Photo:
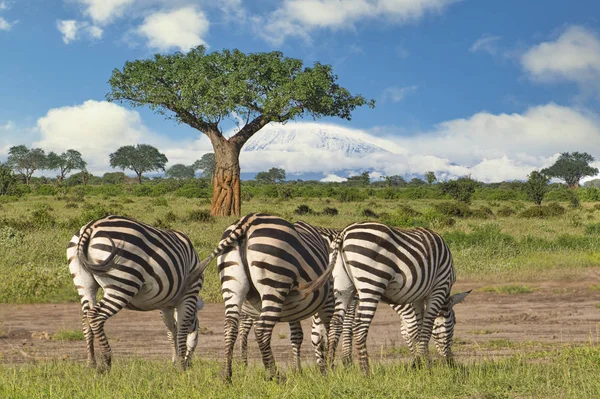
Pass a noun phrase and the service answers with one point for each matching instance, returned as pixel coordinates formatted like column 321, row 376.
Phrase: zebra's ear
column 458, row 298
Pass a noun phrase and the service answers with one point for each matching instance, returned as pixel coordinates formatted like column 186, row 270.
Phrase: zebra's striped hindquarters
column 280, row 271
column 139, row 267
column 411, row 266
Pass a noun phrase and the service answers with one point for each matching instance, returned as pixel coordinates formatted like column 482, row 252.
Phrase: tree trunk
column 226, row 180
column 139, row 175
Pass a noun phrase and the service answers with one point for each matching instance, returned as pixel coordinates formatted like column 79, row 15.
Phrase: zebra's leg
column 342, row 300
column 168, row 317
column 246, row 323
column 111, row 303
column 411, row 316
column 87, row 288
column 318, row 339
column 186, row 314
column 263, row 329
column 433, row 305
column 367, row 305
column 296, row 337
column 191, row 341
column 348, row 327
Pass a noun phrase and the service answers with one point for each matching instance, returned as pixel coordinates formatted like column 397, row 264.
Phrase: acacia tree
column 536, row 186
column 206, row 164
column 141, row 158
column 203, row 89
column 180, row 171
column 430, row 177
column 571, row 167
column 272, row 176
column 65, row 163
column 26, row 161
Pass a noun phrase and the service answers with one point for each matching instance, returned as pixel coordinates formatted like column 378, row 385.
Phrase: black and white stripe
column 138, row 267
column 410, row 268
column 272, row 271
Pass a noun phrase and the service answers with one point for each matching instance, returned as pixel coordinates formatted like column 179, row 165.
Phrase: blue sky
column 491, row 88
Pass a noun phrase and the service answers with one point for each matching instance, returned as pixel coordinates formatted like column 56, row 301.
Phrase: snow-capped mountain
column 308, row 138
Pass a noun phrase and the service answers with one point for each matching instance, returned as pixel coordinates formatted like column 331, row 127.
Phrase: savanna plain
column 529, row 329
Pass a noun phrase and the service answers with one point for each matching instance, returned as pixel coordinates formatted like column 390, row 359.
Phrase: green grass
column 68, row 335
column 34, row 232
column 572, row 373
column 508, row 289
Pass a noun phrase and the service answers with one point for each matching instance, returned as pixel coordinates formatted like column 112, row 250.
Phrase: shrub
column 171, row 217
column 483, row 213
column 536, row 186
column 330, row 211
column 45, row 189
column 574, row 200
column 41, row 217
column 505, row 211
column 71, row 205
column 455, row 209
column 303, row 210
column 200, row 215
column 408, row 210
column 351, row 195
column 551, row 210
column 461, row 189
column 162, row 224
column 435, row 219
column 397, row 220
column 160, row 201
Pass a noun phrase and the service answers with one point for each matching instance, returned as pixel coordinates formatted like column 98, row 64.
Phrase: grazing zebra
column 138, row 267
column 408, row 267
column 272, row 272
column 318, row 337
column 442, row 333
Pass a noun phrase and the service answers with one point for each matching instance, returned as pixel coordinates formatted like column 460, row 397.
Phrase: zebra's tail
column 82, row 250
column 238, row 231
column 308, row 288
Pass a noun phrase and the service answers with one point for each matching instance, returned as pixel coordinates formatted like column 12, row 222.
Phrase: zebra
column 272, row 271
column 408, row 268
column 138, row 267
column 318, row 331
column 442, row 332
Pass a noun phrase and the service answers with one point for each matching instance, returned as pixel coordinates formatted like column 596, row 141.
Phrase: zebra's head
column 443, row 327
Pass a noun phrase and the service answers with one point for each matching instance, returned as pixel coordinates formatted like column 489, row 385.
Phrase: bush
column 46, row 189
column 454, row 209
column 71, row 205
column 574, row 200
column 505, row 211
column 41, row 217
column 351, row 195
column 303, row 210
column 483, row 213
column 171, row 217
column 160, row 201
column 436, row 219
column 544, row 211
column 408, row 210
column 397, row 220
column 200, row 215
column 461, row 189
column 330, row 211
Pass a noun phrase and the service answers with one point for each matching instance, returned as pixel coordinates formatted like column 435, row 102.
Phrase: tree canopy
column 272, row 176
column 430, row 177
column 202, row 89
column 206, row 164
column 26, row 161
column 572, row 167
column 180, row 171
column 140, row 158
column 65, row 163
column 536, row 186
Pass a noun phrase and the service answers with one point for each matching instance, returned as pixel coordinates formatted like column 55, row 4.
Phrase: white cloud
column 72, row 30
column 300, row 17
column 397, row 94
column 105, row 11
column 487, row 43
column 490, row 147
column 573, row 56
column 182, row 29
column 5, row 25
